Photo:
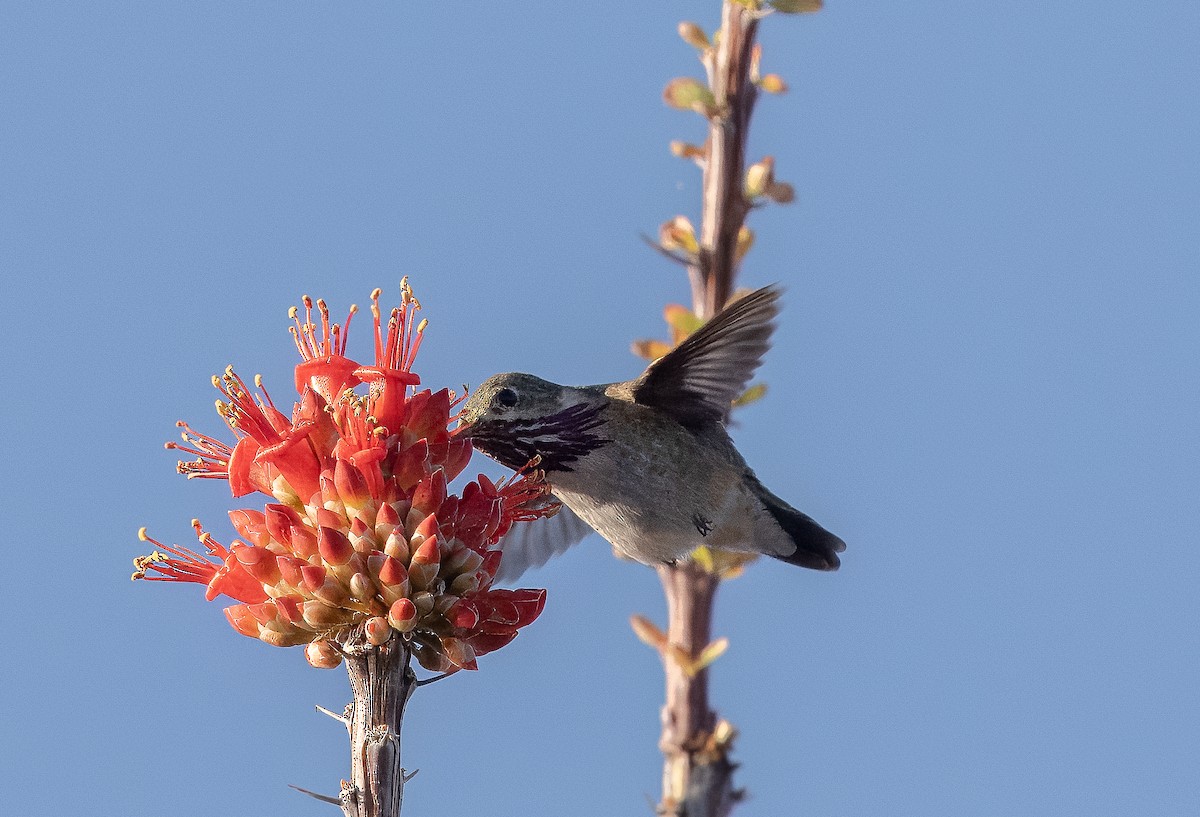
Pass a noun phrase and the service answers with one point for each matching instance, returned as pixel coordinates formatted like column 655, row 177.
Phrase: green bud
column 796, row 6
column 693, row 35
column 773, row 84
column 685, row 150
column 689, row 94
column 759, row 177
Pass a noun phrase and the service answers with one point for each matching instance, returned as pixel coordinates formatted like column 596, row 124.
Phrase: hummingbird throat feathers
column 560, row 439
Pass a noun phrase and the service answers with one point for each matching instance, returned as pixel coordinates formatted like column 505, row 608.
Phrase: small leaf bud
column 693, row 35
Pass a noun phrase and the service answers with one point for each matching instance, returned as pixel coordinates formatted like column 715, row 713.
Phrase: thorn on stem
column 339, row 718
column 324, row 798
column 431, row 679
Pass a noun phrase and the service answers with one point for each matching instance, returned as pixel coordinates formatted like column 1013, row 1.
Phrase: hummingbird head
column 515, row 417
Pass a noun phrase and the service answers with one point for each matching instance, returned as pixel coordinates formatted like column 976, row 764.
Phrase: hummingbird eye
column 505, row 398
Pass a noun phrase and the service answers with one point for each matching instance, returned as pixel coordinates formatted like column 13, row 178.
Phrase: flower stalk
column 382, row 681
column 696, row 744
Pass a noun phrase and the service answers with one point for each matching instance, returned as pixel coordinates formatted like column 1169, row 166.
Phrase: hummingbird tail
column 815, row 547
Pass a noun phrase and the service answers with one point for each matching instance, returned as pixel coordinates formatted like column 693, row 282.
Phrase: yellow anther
column 258, row 381
column 353, row 308
column 375, row 293
column 421, row 326
column 142, row 534
column 293, row 312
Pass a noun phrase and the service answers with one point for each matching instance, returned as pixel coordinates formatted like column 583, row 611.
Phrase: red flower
column 361, row 530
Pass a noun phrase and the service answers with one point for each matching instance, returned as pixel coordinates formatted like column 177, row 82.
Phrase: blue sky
column 984, row 381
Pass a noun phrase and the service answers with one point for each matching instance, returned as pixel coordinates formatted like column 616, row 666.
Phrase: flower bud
column 241, row 620
column 393, row 578
column 430, row 493
column 396, row 546
column 462, row 560
column 334, row 546
column 362, row 536
column 403, row 615
column 386, row 521
column 426, row 561
column 377, row 630
column 258, row 562
column 319, row 615
column 464, row 584
column 350, row 484
column 361, row 586
column 323, row 655
column 424, row 601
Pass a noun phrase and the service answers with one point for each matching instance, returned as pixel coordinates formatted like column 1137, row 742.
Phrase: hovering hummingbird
column 648, row 463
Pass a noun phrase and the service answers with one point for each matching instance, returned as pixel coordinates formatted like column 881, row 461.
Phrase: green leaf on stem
column 689, row 94
column 796, row 6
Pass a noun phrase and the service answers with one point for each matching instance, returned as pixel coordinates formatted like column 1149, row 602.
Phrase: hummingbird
column 648, row 463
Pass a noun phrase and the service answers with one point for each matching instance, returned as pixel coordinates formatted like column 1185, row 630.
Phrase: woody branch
column 695, row 742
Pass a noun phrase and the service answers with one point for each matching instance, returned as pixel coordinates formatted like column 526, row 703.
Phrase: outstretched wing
column 696, row 381
column 532, row 544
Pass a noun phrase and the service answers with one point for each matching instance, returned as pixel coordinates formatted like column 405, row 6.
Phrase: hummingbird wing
column 532, row 544
column 696, row 381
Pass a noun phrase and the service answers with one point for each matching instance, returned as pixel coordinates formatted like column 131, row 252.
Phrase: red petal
column 427, row 553
column 488, row 642
column 232, row 580
column 430, row 492
column 334, row 546
column 251, row 525
column 241, row 463
column 327, row 376
column 391, row 572
column 241, row 620
column 258, row 562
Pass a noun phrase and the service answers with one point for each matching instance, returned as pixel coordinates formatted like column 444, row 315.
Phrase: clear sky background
column 985, row 380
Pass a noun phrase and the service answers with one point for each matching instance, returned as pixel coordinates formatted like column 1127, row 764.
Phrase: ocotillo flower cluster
column 362, row 532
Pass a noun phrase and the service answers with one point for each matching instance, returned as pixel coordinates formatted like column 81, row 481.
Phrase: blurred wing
column 532, row 544
column 697, row 381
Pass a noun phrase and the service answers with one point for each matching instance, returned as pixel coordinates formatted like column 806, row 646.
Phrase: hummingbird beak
column 468, row 424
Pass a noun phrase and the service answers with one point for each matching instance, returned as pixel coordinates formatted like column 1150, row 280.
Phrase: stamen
column 341, row 350
column 324, row 344
column 375, row 293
